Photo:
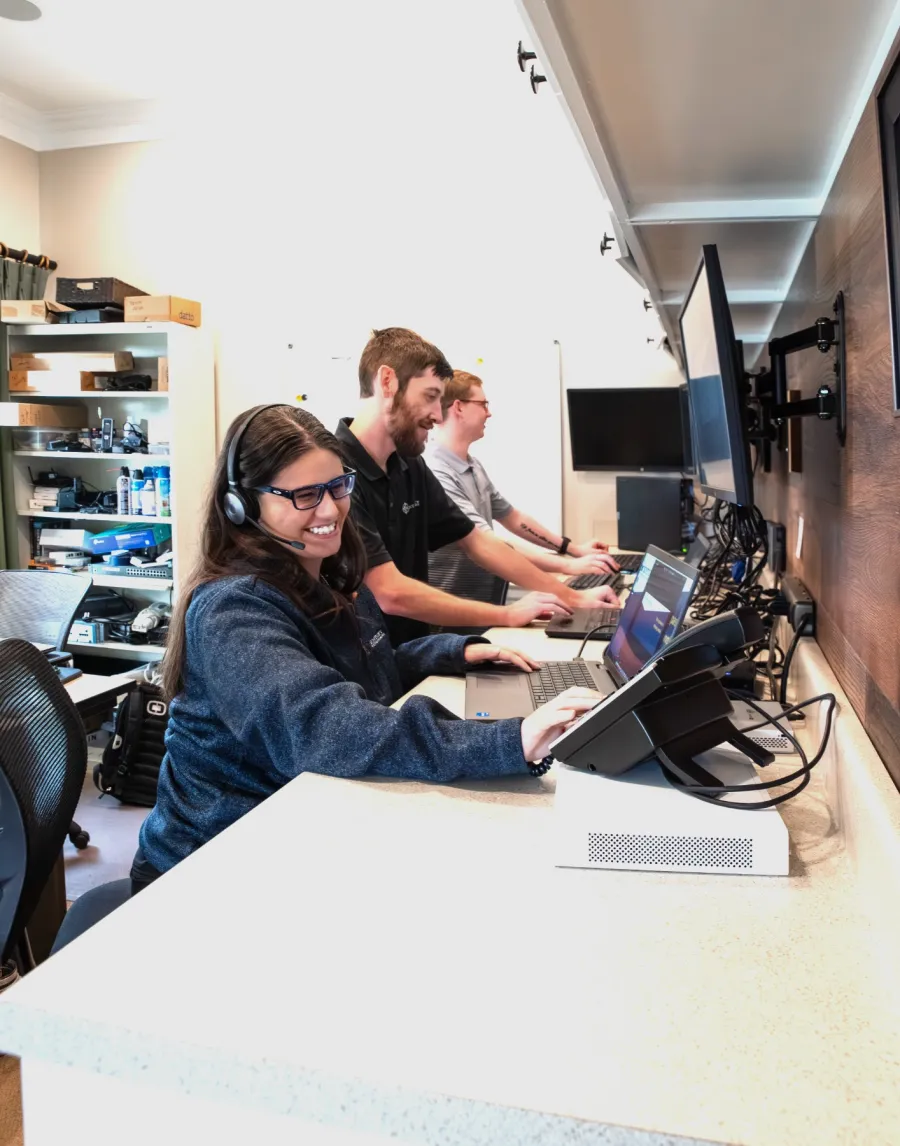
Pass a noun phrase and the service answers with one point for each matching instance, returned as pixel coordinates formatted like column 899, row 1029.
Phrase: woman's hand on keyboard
column 479, row 654
column 552, row 719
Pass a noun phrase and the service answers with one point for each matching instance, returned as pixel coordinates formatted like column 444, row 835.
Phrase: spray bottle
column 123, row 492
column 137, row 482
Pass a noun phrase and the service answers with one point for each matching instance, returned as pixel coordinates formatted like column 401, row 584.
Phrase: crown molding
column 131, row 121
column 21, row 123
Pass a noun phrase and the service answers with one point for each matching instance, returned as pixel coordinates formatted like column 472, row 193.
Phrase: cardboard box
column 163, row 375
column 51, row 381
column 96, row 361
column 44, row 414
column 31, row 310
column 162, row 308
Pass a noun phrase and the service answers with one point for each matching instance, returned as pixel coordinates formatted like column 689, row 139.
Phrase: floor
column 113, row 828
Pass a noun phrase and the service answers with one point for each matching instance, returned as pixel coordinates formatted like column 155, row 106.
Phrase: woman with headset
column 278, row 660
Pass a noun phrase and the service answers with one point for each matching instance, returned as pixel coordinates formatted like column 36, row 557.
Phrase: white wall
column 377, row 164
column 19, row 197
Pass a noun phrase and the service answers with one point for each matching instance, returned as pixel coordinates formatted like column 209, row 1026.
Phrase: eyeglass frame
column 476, row 401
column 320, row 486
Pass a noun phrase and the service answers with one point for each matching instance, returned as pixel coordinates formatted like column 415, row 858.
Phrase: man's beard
column 403, row 427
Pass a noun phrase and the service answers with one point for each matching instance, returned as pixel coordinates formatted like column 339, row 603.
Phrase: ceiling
column 714, row 121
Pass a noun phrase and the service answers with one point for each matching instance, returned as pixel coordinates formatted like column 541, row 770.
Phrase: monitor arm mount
column 830, row 402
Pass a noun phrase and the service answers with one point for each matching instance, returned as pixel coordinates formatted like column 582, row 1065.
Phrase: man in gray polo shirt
column 466, row 482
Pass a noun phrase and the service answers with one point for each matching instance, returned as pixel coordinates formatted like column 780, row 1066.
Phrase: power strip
column 801, row 608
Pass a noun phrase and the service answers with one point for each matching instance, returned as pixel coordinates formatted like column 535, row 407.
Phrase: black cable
column 595, row 629
column 803, row 773
column 789, row 656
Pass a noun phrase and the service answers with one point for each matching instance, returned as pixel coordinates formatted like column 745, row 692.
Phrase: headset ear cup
column 235, row 508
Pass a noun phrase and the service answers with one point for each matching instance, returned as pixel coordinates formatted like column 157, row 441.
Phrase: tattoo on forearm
column 539, row 536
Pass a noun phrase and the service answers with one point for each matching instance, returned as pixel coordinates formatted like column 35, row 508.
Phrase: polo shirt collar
column 451, row 459
column 362, row 459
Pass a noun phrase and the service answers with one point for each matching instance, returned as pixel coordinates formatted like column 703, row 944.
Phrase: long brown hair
column 275, row 438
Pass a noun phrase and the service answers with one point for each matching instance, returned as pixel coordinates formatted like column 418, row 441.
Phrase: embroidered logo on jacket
column 375, row 640
column 408, row 505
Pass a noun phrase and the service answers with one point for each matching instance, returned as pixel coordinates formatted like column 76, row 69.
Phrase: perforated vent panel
column 719, row 852
column 772, row 741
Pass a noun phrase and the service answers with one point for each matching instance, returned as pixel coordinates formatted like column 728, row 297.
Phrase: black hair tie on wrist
column 541, row 769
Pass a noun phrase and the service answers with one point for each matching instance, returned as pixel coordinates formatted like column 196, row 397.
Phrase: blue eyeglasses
column 309, row 496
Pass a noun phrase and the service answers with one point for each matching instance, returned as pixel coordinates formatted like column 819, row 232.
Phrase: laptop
column 651, row 617
column 602, row 620
column 630, row 563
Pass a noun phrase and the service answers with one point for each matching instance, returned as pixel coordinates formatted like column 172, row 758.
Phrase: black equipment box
column 84, row 294
column 104, row 314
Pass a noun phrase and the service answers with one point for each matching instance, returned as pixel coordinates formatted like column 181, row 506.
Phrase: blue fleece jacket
column 271, row 692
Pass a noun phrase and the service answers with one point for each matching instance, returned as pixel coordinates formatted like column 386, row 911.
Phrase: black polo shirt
column 402, row 515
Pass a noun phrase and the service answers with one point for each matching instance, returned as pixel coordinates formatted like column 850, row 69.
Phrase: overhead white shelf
column 85, row 395
column 64, row 329
column 118, row 649
column 90, row 456
column 74, row 515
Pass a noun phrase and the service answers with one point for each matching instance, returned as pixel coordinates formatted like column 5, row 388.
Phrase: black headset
column 235, row 504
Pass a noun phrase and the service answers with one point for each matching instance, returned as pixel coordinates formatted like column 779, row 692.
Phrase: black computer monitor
column 636, row 429
column 687, row 444
column 721, row 447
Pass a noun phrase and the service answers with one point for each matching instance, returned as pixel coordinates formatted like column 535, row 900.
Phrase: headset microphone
column 274, row 536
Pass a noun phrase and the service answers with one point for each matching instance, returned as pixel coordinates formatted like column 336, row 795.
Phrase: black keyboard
column 629, row 562
column 591, row 580
column 555, row 677
column 606, row 617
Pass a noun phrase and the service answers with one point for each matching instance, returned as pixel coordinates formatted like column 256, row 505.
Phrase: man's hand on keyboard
column 600, row 595
column 592, row 562
column 479, row 654
column 579, row 548
column 542, row 727
column 538, row 606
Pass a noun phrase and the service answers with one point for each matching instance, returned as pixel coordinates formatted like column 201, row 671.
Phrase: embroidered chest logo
column 408, row 505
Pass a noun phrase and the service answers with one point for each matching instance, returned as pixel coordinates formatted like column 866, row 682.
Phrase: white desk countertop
column 385, row 958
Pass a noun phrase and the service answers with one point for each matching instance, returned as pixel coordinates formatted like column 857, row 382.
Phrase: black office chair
column 43, row 759
column 38, row 605
column 90, row 908
column 451, row 567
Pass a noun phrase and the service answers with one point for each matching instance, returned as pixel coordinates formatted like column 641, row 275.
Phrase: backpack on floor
column 129, row 769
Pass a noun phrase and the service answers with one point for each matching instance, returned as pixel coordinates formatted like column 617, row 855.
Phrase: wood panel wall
column 849, row 498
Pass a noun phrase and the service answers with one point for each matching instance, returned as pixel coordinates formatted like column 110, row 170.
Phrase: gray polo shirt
column 467, row 484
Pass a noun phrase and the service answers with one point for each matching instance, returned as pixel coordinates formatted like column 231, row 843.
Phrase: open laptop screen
column 652, row 614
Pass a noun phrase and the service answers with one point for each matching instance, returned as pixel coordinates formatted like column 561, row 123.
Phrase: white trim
column 727, row 210
column 130, row 121
column 20, row 123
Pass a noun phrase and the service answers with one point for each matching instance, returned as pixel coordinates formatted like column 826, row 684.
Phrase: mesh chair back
column 453, row 571
column 43, row 758
column 37, row 605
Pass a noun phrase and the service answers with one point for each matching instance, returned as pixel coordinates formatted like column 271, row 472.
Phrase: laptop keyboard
column 555, row 677
column 591, row 580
